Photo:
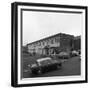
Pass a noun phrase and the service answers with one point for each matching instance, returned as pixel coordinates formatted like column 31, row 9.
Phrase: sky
column 38, row 25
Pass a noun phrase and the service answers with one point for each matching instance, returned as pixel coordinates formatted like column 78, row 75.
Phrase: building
column 24, row 49
column 77, row 43
column 52, row 45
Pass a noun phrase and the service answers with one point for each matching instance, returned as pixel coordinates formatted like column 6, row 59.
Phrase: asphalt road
column 70, row 67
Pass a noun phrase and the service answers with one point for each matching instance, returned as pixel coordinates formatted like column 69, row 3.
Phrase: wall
column 77, row 43
column 40, row 45
column 5, row 47
column 62, row 40
column 65, row 42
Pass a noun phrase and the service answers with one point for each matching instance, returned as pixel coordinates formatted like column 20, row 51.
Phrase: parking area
column 71, row 66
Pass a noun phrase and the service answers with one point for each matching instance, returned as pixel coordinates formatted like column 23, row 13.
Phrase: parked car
column 44, row 65
column 63, row 55
column 74, row 53
column 79, row 52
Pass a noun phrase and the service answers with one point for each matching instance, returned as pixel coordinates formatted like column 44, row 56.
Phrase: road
column 70, row 67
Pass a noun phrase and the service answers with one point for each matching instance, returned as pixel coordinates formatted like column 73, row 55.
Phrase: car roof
column 43, row 59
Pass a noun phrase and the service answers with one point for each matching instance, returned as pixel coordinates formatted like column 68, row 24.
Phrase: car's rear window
column 45, row 62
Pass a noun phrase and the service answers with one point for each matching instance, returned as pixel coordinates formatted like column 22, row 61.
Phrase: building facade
column 52, row 45
column 77, row 43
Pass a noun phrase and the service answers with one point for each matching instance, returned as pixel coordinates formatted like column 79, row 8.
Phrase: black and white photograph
column 50, row 44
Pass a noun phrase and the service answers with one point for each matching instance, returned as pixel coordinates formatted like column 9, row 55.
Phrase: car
column 79, row 52
column 74, row 53
column 43, row 65
column 63, row 55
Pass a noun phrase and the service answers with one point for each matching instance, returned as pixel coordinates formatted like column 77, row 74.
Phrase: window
column 43, row 43
column 52, row 41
